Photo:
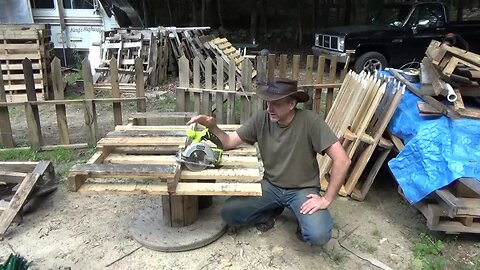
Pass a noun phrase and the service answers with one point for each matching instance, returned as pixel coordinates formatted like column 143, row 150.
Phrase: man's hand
column 314, row 203
column 204, row 120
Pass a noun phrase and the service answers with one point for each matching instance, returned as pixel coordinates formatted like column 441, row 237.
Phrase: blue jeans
column 315, row 228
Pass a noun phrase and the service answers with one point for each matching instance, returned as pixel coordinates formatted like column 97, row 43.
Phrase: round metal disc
column 196, row 161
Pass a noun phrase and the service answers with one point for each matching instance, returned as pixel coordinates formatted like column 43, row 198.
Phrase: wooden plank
column 186, row 189
column 472, row 183
column 308, row 81
column 227, row 161
column 17, row 201
column 141, row 141
column 12, row 67
column 5, row 126
column 295, row 66
column 206, row 96
column 271, row 67
column 136, row 171
column 183, row 70
column 231, row 96
column 140, row 83
column 58, row 94
column 331, row 79
column 196, row 84
column 18, row 166
column 282, row 73
column 20, row 77
column 317, row 97
column 243, row 174
column 11, row 177
column 90, row 113
column 117, row 107
column 228, row 128
column 219, row 95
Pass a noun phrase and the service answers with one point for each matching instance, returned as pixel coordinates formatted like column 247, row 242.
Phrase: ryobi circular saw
column 199, row 155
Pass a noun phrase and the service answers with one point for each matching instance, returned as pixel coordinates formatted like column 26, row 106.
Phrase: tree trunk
column 219, row 10
column 203, row 13
column 145, row 13
column 169, row 11
column 194, row 12
column 348, row 7
column 299, row 35
column 253, row 21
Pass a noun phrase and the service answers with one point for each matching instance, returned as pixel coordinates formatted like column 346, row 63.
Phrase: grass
column 63, row 158
column 73, row 77
column 377, row 233
column 166, row 104
column 361, row 244
column 428, row 254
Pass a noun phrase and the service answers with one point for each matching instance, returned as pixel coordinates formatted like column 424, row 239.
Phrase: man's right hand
column 204, row 120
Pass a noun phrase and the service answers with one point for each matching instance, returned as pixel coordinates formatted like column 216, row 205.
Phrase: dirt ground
column 71, row 231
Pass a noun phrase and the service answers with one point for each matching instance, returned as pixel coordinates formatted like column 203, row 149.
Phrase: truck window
column 78, row 4
column 428, row 16
column 391, row 15
column 42, row 4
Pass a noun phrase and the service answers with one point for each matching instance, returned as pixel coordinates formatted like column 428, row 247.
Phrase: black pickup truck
column 398, row 34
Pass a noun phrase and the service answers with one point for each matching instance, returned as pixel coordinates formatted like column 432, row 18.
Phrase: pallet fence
column 232, row 99
column 32, row 114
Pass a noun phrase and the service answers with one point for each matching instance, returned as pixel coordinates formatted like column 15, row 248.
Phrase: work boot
column 265, row 226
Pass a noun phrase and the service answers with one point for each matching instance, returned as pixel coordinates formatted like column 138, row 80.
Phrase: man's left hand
column 314, row 203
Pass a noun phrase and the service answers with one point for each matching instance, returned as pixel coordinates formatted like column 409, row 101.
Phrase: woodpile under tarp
column 125, row 44
column 20, row 41
column 449, row 82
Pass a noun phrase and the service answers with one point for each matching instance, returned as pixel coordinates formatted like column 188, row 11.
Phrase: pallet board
column 454, row 208
column 28, row 175
column 140, row 160
column 18, row 42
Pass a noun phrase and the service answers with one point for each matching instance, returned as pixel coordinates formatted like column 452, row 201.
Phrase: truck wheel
column 370, row 62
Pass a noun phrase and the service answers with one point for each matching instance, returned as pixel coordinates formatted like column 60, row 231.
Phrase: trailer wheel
column 370, row 62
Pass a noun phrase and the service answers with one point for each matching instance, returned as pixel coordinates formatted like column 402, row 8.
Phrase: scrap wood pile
column 18, row 42
column 193, row 43
column 126, row 44
column 21, row 184
column 361, row 117
column 452, row 75
column 454, row 208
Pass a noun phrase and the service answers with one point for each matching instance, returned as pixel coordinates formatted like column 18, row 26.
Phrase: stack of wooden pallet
column 125, row 45
column 18, row 42
column 192, row 43
column 140, row 159
column 25, row 179
column 222, row 47
column 360, row 114
column 455, row 74
column 453, row 209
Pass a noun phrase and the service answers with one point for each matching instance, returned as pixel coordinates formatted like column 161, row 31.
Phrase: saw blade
column 197, row 161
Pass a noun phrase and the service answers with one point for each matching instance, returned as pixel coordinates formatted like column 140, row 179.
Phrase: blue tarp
column 437, row 150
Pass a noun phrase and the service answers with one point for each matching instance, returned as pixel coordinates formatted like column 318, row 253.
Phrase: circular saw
column 199, row 155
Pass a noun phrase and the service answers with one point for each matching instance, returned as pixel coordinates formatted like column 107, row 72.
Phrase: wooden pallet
column 143, row 157
column 360, row 114
column 223, row 48
column 453, row 209
column 28, row 176
column 18, row 42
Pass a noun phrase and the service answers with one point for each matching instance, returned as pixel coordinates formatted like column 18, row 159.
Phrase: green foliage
column 57, row 155
column 428, row 254
column 363, row 245
column 77, row 59
column 166, row 104
column 73, row 77
column 377, row 233
column 73, row 95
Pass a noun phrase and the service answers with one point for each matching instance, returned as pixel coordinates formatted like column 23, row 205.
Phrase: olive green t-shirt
column 289, row 152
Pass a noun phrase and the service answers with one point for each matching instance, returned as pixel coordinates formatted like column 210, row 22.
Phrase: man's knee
column 318, row 237
column 228, row 212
